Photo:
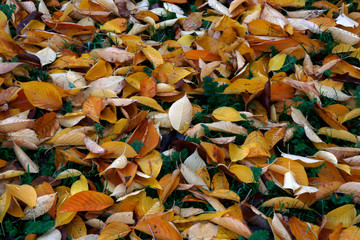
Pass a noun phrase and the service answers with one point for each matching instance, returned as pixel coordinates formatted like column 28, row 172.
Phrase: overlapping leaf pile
column 180, row 119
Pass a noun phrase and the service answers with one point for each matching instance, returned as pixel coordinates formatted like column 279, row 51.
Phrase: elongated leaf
column 86, row 201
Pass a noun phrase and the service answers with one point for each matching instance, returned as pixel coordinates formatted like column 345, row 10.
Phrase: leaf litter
column 180, row 119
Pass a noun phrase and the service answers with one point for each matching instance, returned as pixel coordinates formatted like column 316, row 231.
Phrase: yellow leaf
column 227, row 114
column 114, row 230
column 340, row 134
column 151, row 163
column 117, row 25
column 284, row 203
column 243, row 173
column 68, row 173
column 4, row 204
column 153, row 55
column 238, row 153
column 43, row 95
column 99, row 70
column 344, row 214
column 76, row 228
column 245, row 85
column 350, row 115
column 287, row 3
column 25, row 193
column 79, row 185
column 64, row 218
column 147, row 101
column 277, row 62
column 201, row 217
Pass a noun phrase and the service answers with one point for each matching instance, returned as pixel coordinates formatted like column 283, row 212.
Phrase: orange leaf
column 328, row 117
column 148, row 135
column 204, row 55
column 168, row 183
column 281, row 91
column 215, row 153
column 93, row 107
column 148, row 87
column 47, row 125
column 301, row 230
column 158, row 228
column 42, row 95
column 86, row 201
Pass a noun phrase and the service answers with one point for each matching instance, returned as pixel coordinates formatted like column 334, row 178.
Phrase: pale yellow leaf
column 46, row 56
column 180, row 114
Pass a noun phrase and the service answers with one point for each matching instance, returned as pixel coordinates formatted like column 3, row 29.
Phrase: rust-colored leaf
column 86, row 201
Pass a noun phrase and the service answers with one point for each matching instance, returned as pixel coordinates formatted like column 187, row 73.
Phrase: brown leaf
column 47, row 125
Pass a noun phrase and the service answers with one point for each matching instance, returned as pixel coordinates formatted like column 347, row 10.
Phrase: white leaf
column 345, row 21
column 279, row 228
column 226, row 126
column 332, row 93
column 303, row 159
column 109, row 5
column 173, row 8
column 192, row 177
column 344, row 36
column 305, row 14
column 306, row 189
column 53, row 234
column 123, row 217
column 142, row 6
column 219, row 7
column 308, row 65
column 272, row 15
column 240, row 60
column 119, row 163
column 180, row 114
column 119, row 190
column 350, row 187
column 328, row 156
column 353, row 161
column 194, row 161
column 26, row 162
column 43, row 205
column 298, row 117
column 302, row 24
column 234, row 4
column 93, row 146
column 46, row 56
column 311, row 135
column 290, row 181
column 89, row 237
column 42, row 8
